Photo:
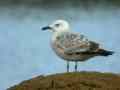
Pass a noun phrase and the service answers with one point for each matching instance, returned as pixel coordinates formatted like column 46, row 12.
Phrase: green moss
column 72, row 81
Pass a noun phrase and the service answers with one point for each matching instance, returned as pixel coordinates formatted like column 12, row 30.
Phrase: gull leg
column 76, row 63
column 67, row 66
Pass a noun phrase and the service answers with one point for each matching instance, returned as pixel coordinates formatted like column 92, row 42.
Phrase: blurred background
column 25, row 50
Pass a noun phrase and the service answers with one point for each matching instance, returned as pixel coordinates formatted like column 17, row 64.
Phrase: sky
column 25, row 50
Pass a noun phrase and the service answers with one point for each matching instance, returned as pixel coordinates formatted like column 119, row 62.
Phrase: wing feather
column 75, row 43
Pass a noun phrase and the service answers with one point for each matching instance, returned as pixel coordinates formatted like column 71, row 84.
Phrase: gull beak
column 46, row 28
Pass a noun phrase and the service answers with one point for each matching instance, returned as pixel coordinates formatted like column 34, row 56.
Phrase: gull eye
column 57, row 25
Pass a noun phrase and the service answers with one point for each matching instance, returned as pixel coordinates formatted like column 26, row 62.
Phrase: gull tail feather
column 103, row 52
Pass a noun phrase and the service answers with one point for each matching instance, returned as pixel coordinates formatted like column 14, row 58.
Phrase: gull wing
column 75, row 43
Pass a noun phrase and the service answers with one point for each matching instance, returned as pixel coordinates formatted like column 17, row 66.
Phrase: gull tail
column 103, row 52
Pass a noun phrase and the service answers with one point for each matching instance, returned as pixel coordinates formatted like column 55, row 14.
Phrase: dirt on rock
column 72, row 81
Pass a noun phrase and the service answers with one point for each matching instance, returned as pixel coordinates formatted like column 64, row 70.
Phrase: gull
column 73, row 46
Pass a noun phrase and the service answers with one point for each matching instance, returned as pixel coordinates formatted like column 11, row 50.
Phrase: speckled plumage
column 71, row 46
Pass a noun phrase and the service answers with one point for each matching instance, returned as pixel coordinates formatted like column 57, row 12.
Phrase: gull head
column 57, row 26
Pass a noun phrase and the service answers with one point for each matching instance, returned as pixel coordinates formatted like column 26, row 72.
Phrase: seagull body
column 72, row 46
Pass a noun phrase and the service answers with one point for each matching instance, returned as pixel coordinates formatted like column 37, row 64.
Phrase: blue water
column 25, row 50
